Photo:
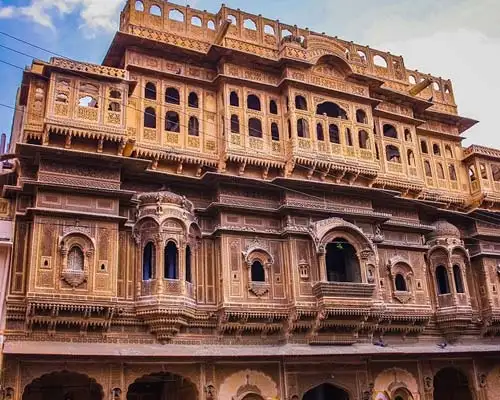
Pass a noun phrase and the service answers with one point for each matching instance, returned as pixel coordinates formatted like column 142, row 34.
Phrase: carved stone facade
column 231, row 208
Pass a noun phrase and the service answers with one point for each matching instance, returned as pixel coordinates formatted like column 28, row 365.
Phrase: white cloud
column 96, row 15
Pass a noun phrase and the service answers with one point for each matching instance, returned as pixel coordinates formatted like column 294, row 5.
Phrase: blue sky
column 457, row 39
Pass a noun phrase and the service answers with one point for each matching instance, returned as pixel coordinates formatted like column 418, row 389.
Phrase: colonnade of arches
column 449, row 383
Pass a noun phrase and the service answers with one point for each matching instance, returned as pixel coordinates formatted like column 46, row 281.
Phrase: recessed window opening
column 361, row 117
column 235, row 124
column 302, row 128
column 472, row 174
column 269, row 30
column 392, row 154
column 342, row 264
column 300, row 103
column 88, row 101
column 408, row 135
column 457, row 276
column 447, row 151
column 193, row 127
column 171, row 255
column 427, row 168
column 150, row 117
column 440, row 171
column 255, row 127
column 273, row 108
column 193, row 100
column 482, row 171
column 234, row 100
column 390, row 131
column 75, row 259
column 249, row 24
column 150, row 91
column 331, row 110
column 139, row 6
column 257, row 272
column 211, row 25
column 443, row 284
column 155, row 10
column 176, row 15
column 363, row 139
column 114, row 106
column 400, row 283
column 172, row 96
column 275, row 133
column 196, row 21
column 333, row 132
column 188, row 264
column 148, row 261
column 253, row 102
column 319, row 132
column 348, row 137
column 452, row 172
column 436, row 149
column 172, row 123
column 423, row 147
column 411, row 158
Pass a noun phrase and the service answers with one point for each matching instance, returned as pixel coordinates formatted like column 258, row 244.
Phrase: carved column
column 159, row 263
column 322, row 266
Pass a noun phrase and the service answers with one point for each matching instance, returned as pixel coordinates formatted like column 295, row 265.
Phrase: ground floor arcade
column 354, row 377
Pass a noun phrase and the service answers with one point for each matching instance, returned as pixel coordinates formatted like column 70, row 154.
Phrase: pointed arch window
column 408, row 135
column 392, row 153
column 75, row 259
column 447, row 151
column 457, row 277
column 188, row 264
column 440, row 171
column 331, row 110
column 148, row 256
column 411, row 158
column 442, row 281
column 258, row 274
column 423, row 146
column 436, row 149
column 171, row 258
column 452, row 172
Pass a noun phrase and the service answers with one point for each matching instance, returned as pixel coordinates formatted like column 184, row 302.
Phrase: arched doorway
column 63, row 385
column 326, row 391
column 342, row 264
column 252, row 396
column 162, row 385
column 451, row 384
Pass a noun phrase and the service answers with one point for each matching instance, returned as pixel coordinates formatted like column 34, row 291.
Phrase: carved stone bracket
column 74, row 278
column 259, row 288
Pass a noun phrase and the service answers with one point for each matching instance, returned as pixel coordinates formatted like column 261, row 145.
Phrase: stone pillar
column 322, row 266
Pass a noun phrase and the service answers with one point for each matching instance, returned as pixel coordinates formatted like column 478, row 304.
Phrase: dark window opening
column 319, row 132
column 300, row 103
column 114, row 106
column 377, row 153
column 472, row 174
column 171, row 259
column 457, row 276
column 447, row 151
column 408, row 135
column 254, row 127
column 452, row 172
column 333, row 133
column 495, row 170
column 443, row 284
column 193, row 100
column 427, row 168
column 400, row 283
column 392, row 154
column 172, row 123
column 361, row 117
column 302, row 128
column 331, row 110
column 483, row 172
column 148, row 262
column 273, row 108
column 289, row 129
column 235, row 124
column 257, row 272
column 363, row 139
column 234, row 100
column 193, row 127
column 436, row 149
column 150, row 91
column 150, row 118
column 275, row 132
column 348, row 137
column 390, row 131
column 440, row 171
column 253, row 102
column 423, row 146
column 342, row 264
column 188, row 264
column 172, row 96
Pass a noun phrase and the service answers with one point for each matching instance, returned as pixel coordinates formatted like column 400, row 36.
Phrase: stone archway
column 252, row 397
column 326, row 391
column 63, row 385
column 451, row 384
column 163, row 385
